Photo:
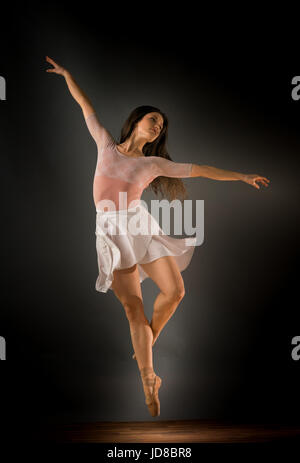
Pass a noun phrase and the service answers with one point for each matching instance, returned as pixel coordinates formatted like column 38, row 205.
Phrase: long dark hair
column 170, row 187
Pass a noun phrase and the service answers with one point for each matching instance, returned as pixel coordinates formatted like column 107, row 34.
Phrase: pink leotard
column 117, row 172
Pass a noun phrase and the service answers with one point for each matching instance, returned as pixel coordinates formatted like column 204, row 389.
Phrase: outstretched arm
column 169, row 168
column 220, row 174
column 76, row 92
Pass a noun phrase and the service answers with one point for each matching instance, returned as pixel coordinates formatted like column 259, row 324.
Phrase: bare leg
column 165, row 273
column 164, row 308
column 141, row 333
column 127, row 288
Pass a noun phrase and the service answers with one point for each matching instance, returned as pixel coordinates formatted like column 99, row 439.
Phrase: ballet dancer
column 139, row 160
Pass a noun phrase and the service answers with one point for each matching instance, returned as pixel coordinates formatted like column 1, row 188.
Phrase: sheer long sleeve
column 167, row 168
column 99, row 133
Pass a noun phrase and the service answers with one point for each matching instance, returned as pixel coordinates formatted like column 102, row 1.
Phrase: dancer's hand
column 252, row 178
column 57, row 68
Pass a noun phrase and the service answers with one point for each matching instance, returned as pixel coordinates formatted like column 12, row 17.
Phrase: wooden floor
column 168, row 431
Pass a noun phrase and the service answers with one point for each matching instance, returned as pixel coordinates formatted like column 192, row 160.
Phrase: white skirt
column 119, row 245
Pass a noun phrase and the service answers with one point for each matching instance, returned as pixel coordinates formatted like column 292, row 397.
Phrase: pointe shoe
column 152, row 400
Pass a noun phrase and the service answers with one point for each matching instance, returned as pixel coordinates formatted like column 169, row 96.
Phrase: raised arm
column 76, row 92
column 220, row 174
column 101, row 136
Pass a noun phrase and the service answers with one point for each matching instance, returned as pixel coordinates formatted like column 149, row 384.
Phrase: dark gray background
column 226, row 353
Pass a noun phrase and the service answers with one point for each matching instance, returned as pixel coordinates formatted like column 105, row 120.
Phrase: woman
column 125, row 259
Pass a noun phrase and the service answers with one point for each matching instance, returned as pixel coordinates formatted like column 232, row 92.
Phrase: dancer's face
column 150, row 126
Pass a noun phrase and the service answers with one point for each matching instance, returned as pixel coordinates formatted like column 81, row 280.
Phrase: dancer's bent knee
column 176, row 295
column 135, row 311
